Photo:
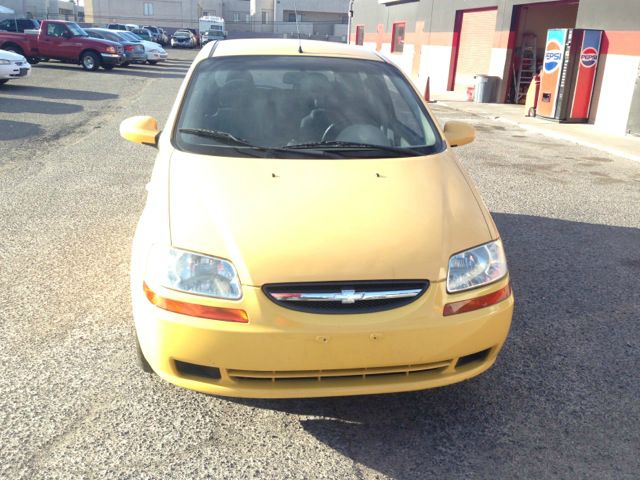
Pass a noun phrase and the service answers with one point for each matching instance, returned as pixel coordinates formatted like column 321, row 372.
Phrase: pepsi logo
column 589, row 57
column 552, row 56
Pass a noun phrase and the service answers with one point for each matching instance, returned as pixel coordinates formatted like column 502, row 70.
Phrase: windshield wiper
column 337, row 144
column 231, row 139
column 218, row 135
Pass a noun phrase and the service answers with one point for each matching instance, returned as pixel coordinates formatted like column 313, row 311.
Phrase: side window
column 52, row 31
column 397, row 37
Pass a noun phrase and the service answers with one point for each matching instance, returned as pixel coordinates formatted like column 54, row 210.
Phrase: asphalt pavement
column 563, row 400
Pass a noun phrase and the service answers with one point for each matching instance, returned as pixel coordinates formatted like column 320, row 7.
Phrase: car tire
column 33, row 60
column 90, row 61
column 141, row 360
column 125, row 64
column 2, row 82
column 152, row 62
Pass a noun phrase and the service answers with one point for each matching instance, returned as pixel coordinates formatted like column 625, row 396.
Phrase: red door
column 58, row 42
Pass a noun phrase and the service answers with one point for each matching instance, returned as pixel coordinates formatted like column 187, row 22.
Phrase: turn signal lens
column 196, row 310
column 478, row 302
column 111, row 50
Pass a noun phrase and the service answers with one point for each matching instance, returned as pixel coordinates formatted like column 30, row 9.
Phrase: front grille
column 401, row 371
column 346, row 297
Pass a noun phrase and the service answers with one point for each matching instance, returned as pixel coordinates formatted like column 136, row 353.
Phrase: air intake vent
column 346, row 297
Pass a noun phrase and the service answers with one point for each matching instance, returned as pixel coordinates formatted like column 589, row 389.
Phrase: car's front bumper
column 136, row 57
column 112, row 59
column 157, row 57
column 14, row 71
column 283, row 353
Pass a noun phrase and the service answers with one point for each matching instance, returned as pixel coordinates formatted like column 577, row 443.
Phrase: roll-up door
column 477, row 30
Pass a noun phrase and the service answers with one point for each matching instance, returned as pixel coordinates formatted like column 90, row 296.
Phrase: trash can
column 484, row 89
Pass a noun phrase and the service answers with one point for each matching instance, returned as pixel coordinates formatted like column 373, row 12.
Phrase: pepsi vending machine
column 568, row 74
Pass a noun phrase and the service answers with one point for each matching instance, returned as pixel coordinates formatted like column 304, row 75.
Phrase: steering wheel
column 333, row 130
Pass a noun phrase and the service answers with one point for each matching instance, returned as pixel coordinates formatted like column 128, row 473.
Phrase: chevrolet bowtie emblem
column 349, row 296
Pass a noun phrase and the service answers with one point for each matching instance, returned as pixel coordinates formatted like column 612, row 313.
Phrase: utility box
column 568, row 74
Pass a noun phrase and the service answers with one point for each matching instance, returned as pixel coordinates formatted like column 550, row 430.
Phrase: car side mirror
column 141, row 129
column 459, row 133
column 67, row 34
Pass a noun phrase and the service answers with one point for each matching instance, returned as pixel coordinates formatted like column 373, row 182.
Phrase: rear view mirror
column 142, row 129
column 459, row 133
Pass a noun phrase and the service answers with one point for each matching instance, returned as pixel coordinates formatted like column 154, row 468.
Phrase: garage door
column 476, row 41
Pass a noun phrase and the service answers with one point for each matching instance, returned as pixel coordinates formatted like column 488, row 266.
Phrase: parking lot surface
column 563, row 400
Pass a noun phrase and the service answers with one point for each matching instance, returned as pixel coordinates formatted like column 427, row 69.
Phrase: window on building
column 265, row 17
column 360, row 35
column 236, row 17
column 148, row 9
column 397, row 37
column 247, row 18
column 292, row 17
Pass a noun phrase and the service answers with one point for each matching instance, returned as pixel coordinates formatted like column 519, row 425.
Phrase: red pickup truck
column 64, row 41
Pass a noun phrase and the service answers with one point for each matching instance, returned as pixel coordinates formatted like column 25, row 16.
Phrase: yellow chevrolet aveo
column 308, row 231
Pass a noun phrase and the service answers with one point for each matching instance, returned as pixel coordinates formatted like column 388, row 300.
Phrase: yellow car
column 309, row 232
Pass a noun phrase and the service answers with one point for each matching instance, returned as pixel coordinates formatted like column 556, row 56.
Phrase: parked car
column 164, row 38
column 212, row 35
column 144, row 34
column 132, row 26
column 13, row 67
column 309, row 231
column 155, row 52
column 19, row 24
column 64, row 41
column 184, row 39
column 116, row 26
column 155, row 33
column 133, row 51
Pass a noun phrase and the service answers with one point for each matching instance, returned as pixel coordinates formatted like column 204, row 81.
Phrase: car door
column 51, row 44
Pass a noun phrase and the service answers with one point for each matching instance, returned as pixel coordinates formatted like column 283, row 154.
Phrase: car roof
column 279, row 46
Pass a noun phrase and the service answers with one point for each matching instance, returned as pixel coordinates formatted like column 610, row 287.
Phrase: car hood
column 12, row 57
column 325, row 220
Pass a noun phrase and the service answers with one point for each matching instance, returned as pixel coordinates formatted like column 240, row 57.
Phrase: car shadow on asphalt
column 22, row 105
column 561, row 395
column 55, row 93
column 115, row 71
column 12, row 130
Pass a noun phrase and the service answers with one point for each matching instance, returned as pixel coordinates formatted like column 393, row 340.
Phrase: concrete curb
column 552, row 134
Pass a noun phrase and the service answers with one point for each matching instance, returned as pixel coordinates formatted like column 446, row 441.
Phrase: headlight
column 5, row 62
column 193, row 273
column 111, row 50
column 476, row 267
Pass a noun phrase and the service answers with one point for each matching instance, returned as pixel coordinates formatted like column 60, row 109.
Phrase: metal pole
column 350, row 16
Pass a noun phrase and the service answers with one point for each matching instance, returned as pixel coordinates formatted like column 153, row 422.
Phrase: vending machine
column 568, row 74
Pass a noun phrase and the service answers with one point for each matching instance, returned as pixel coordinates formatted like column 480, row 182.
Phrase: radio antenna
column 295, row 11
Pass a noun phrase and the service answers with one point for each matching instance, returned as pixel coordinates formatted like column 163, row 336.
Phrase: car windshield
column 132, row 36
column 277, row 105
column 108, row 35
column 76, row 30
column 181, row 34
